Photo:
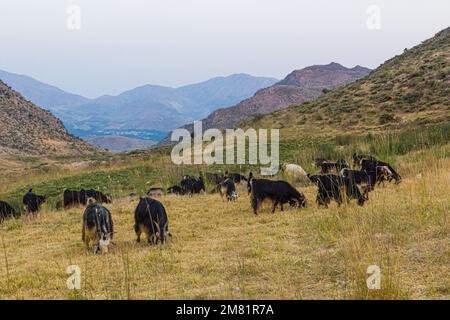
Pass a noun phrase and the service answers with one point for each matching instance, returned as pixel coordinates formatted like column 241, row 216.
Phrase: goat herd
column 151, row 217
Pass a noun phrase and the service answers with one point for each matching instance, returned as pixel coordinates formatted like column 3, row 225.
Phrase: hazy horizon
column 124, row 44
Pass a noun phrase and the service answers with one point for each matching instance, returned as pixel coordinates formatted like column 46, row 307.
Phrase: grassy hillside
column 408, row 90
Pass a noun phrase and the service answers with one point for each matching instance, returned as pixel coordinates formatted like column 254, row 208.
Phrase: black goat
column 191, row 185
column 228, row 188
column 330, row 187
column 327, row 166
column 175, row 190
column 7, row 211
column 279, row 192
column 150, row 217
column 32, row 202
column 375, row 166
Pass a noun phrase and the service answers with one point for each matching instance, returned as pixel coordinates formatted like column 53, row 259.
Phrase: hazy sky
column 125, row 43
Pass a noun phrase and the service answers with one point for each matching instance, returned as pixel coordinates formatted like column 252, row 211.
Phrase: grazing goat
column 7, row 211
column 359, row 177
column 228, row 188
column 99, row 196
column 175, row 190
column 326, row 166
column 97, row 227
column 32, row 202
column 73, row 198
column 377, row 166
column 191, row 185
column 279, row 192
column 329, row 187
column 150, row 217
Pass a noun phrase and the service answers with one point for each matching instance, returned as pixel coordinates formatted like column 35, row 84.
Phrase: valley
column 147, row 112
column 398, row 113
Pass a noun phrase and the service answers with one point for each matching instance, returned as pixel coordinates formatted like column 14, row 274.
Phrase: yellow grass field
column 223, row 251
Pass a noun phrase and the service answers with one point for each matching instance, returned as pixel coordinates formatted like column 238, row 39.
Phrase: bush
column 257, row 116
column 318, row 117
column 387, row 118
column 412, row 97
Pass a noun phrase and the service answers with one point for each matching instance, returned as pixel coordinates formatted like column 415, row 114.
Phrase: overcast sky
column 125, row 43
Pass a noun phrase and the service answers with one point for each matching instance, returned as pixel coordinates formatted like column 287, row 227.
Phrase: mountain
column 28, row 129
column 160, row 108
column 39, row 93
column 327, row 76
column 299, row 86
column 222, row 92
column 410, row 89
column 147, row 107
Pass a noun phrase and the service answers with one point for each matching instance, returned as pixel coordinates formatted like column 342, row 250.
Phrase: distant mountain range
column 157, row 108
column 42, row 94
column 143, row 116
column 298, row 86
column 26, row 129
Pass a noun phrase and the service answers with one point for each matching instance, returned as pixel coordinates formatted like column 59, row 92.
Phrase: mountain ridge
column 297, row 87
column 38, row 92
column 286, row 92
column 409, row 89
column 144, row 107
column 31, row 130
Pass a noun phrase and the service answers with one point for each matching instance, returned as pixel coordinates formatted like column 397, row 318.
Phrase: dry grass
column 221, row 250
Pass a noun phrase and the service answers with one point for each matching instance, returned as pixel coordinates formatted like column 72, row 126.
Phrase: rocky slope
column 30, row 130
column 299, row 86
column 410, row 89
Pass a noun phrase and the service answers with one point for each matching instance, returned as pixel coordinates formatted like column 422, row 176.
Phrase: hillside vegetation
column 408, row 90
column 28, row 129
